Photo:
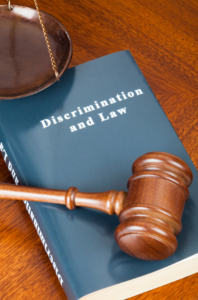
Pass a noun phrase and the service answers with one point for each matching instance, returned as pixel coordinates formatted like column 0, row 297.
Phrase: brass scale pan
column 25, row 63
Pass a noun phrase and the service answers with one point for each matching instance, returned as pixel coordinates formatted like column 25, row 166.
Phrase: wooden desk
column 162, row 36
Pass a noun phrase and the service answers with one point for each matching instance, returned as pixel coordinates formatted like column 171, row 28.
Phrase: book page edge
column 147, row 282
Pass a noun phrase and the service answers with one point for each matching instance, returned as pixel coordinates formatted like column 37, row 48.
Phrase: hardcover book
column 86, row 131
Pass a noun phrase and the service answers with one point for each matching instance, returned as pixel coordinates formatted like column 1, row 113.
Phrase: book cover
column 86, row 131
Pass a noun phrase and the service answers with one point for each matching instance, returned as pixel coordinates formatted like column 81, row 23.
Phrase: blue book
column 86, row 131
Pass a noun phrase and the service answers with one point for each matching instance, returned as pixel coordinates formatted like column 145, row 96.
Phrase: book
column 86, row 131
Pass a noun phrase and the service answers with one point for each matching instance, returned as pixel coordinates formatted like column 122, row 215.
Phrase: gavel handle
column 110, row 202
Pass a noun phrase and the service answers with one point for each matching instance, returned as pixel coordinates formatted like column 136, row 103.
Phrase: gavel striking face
column 150, row 214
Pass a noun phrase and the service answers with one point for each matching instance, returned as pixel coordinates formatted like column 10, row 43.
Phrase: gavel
column 150, row 213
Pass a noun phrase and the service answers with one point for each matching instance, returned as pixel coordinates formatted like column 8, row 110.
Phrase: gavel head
column 151, row 216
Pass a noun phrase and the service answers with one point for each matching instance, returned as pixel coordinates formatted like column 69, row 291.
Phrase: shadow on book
column 23, row 108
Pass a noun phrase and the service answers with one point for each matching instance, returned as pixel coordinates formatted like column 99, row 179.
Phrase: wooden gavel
column 150, row 214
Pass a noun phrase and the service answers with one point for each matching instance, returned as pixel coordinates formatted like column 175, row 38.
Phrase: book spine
column 32, row 213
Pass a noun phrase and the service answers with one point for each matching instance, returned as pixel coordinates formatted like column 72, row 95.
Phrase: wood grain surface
column 162, row 37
